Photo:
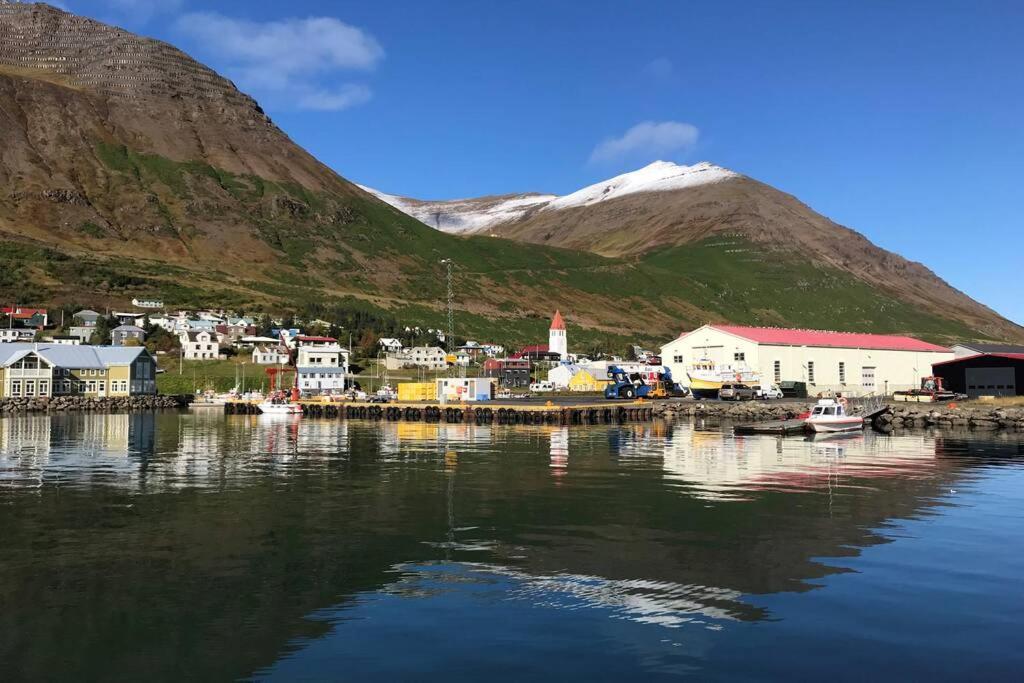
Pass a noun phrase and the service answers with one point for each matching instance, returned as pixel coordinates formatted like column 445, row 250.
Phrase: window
column 778, row 371
column 867, row 377
column 677, row 359
column 44, row 388
column 842, row 372
column 15, row 387
column 90, row 386
column 30, row 387
column 739, row 356
column 810, row 372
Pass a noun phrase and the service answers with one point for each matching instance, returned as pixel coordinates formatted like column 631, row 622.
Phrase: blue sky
column 904, row 121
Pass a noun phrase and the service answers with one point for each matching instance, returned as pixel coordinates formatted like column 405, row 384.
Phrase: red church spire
column 557, row 323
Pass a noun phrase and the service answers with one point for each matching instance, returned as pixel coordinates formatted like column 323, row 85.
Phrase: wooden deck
column 484, row 412
column 782, row 427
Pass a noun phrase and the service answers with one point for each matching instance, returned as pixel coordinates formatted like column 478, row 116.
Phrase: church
column 557, row 348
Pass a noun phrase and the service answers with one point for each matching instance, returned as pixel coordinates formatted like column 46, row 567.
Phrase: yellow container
column 417, row 391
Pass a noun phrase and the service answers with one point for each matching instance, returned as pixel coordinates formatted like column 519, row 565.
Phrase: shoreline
column 902, row 415
column 106, row 404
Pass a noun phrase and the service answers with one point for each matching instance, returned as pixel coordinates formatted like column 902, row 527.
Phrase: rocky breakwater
column 119, row 404
column 958, row 416
column 744, row 411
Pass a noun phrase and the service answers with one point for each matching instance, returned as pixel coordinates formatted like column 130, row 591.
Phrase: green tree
column 101, row 334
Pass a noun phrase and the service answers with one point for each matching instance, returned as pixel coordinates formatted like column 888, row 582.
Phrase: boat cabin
column 828, row 408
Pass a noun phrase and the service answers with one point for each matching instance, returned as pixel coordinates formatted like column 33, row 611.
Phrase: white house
column 147, row 303
column 269, row 355
column 321, row 364
column 200, row 345
column 16, row 334
column 851, row 363
column 561, row 374
column 390, row 345
column 429, row 357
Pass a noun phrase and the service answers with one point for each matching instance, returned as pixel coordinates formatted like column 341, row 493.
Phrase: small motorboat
column 279, row 404
column 830, row 416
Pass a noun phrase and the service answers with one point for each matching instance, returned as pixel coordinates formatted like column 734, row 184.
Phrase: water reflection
column 229, row 544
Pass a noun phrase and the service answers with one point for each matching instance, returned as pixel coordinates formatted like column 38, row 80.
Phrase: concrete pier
column 609, row 412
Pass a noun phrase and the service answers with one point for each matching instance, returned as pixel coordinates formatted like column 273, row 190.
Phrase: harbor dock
column 489, row 412
column 783, row 427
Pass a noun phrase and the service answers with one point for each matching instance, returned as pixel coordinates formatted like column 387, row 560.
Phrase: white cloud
column 295, row 62
column 650, row 138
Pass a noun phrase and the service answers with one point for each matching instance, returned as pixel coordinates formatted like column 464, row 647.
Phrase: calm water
column 173, row 547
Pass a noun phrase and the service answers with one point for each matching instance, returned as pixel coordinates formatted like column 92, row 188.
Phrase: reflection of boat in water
column 707, row 377
column 830, row 416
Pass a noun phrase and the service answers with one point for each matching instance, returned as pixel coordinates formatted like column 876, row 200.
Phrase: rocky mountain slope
column 128, row 169
column 650, row 212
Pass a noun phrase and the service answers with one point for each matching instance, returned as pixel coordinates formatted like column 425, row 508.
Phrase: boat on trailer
column 830, row 416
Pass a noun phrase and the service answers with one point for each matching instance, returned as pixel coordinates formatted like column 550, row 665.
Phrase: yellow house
column 584, row 381
column 32, row 370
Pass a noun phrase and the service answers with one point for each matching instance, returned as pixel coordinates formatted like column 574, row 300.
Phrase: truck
column 931, row 391
column 624, row 385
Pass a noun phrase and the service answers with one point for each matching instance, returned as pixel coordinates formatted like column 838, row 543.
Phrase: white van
column 542, row 386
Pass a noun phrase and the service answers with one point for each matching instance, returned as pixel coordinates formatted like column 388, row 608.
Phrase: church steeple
column 557, row 340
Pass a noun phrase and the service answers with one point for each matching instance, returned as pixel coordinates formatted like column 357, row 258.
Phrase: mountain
column 129, row 169
column 653, row 213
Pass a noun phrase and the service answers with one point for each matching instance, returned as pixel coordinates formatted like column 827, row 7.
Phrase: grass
column 200, row 375
column 325, row 241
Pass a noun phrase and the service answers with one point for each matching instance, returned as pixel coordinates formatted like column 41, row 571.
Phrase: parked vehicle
column 931, row 391
column 766, row 393
column 736, row 392
column 625, row 385
column 794, row 389
column 542, row 386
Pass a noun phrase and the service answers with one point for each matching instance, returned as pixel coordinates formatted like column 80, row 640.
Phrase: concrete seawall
column 85, row 404
column 972, row 415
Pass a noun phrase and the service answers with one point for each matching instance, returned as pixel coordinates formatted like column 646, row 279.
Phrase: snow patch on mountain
column 464, row 215
column 661, row 176
column 475, row 215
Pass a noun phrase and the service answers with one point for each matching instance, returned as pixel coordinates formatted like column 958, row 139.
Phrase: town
column 146, row 349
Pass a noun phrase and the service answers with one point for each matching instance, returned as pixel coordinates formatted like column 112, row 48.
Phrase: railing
column 29, row 373
column 867, row 405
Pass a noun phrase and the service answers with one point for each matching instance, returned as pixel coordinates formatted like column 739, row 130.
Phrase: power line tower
column 450, row 338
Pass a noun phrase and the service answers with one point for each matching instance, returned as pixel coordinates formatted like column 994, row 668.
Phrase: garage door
column 991, row 382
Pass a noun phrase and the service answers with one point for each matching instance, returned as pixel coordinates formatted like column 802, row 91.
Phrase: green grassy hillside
column 215, row 238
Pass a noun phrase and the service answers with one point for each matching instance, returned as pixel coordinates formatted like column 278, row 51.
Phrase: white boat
column 707, row 377
column 271, row 407
column 830, row 416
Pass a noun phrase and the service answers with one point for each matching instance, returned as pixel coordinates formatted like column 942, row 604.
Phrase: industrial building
column 984, row 374
column 850, row 363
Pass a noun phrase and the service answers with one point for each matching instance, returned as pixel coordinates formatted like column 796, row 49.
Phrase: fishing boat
column 707, row 377
column 278, row 403
column 830, row 416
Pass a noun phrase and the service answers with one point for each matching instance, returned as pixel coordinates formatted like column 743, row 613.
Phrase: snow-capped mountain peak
column 474, row 215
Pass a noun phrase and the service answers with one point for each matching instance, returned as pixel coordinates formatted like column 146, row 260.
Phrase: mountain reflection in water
column 197, row 546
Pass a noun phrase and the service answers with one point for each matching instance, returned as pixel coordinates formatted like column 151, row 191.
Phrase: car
column 542, row 386
column 769, row 392
column 736, row 392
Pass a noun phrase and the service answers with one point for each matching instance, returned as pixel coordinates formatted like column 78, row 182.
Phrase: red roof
column 20, row 312
column 780, row 336
column 557, row 323
column 316, row 339
column 535, row 348
column 1009, row 356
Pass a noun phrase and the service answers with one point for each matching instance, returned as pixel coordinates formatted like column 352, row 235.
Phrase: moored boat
column 279, row 404
column 707, row 377
column 830, row 416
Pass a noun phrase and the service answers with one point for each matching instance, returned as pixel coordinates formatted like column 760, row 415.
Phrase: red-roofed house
column 848, row 362
column 27, row 317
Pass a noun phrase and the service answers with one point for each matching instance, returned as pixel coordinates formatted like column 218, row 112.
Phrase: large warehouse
column 850, row 363
column 984, row 374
